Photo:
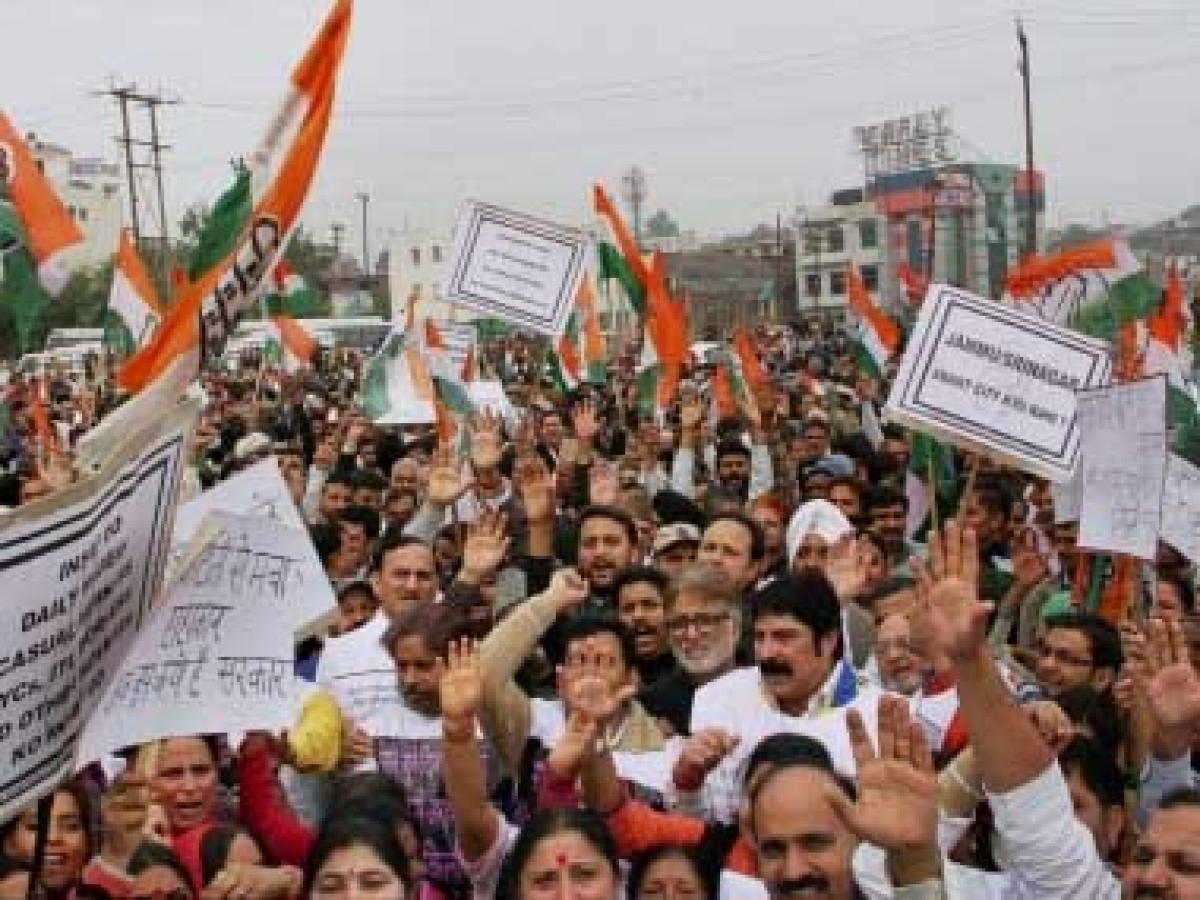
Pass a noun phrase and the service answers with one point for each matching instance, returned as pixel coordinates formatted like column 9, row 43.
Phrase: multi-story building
column 966, row 221
column 417, row 266
column 92, row 191
column 850, row 229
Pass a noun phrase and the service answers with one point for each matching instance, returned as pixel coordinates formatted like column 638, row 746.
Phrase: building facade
column 965, row 222
column 92, row 191
column 417, row 263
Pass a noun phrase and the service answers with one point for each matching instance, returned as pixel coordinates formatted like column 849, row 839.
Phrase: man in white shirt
column 800, row 684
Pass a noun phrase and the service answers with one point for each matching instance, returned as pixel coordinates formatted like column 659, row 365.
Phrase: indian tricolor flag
column 50, row 231
column 397, row 387
column 878, row 337
column 449, row 385
column 132, row 297
column 580, row 353
column 209, row 306
column 1098, row 288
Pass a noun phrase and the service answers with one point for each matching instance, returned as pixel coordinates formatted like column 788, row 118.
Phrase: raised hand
column 846, row 567
column 593, row 696
column 447, row 481
column 701, row 754
column 537, row 496
column 1164, row 679
column 461, row 687
column 1052, row 724
column 1029, row 565
column 573, row 746
column 487, row 445
column 948, row 593
column 585, row 422
column 897, row 805
column 568, row 589
column 485, row 546
column 603, row 484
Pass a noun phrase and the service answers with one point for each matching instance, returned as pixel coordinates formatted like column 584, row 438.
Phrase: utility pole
column 634, row 183
column 363, row 198
column 125, row 96
column 778, row 267
column 337, row 228
column 1031, row 195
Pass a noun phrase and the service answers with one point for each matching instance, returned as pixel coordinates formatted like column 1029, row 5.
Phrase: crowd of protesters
column 589, row 650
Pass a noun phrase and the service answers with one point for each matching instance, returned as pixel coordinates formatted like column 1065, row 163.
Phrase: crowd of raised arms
column 590, row 651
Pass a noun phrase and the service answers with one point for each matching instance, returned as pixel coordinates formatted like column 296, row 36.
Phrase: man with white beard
column 704, row 621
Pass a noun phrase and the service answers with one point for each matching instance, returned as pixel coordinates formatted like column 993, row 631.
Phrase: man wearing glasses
column 703, row 620
column 1078, row 649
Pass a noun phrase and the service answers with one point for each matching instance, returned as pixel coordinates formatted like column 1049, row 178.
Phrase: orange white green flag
column 209, row 306
column 50, row 231
column 132, row 298
column 878, row 337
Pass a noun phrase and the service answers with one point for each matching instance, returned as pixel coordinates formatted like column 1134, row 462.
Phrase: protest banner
column 1123, row 458
column 1180, row 522
column 79, row 573
column 997, row 381
column 258, row 491
column 515, row 267
column 213, row 658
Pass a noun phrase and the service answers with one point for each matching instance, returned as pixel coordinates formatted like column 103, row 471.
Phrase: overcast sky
column 735, row 110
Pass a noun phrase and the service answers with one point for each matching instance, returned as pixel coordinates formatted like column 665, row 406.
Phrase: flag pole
column 931, row 474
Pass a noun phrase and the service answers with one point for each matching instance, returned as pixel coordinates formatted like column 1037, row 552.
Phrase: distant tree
column 661, row 225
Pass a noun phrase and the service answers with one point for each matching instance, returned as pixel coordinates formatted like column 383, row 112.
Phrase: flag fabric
column 1096, row 288
column 50, row 231
column 915, row 285
column 22, row 292
column 132, row 297
column 756, row 376
column 619, row 258
column 297, row 345
column 208, row 308
column 932, row 478
column 449, row 388
column 878, row 337
column 579, row 354
column 225, row 223
column 397, row 387
column 296, row 296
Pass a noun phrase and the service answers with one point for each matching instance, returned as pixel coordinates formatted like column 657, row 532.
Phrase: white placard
column 1124, row 455
column 79, row 573
column 214, row 658
column 273, row 553
column 515, row 267
column 1067, row 496
column 990, row 378
column 1180, row 524
column 256, row 491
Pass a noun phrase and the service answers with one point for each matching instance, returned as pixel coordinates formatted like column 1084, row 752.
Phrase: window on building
column 870, row 277
column 83, row 214
column 837, row 283
column 868, row 234
column 416, row 256
column 835, row 241
column 436, row 253
column 812, row 241
column 812, row 284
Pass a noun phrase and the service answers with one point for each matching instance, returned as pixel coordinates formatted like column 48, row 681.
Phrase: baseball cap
column 675, row 533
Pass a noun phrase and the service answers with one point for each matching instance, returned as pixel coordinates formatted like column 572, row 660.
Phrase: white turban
column 819, row 517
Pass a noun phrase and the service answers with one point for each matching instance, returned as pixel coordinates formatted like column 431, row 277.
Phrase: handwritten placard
column 516, row 267
column 216, row 656
column 1124, row 438
column 996, row 380
column 1180, row 525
